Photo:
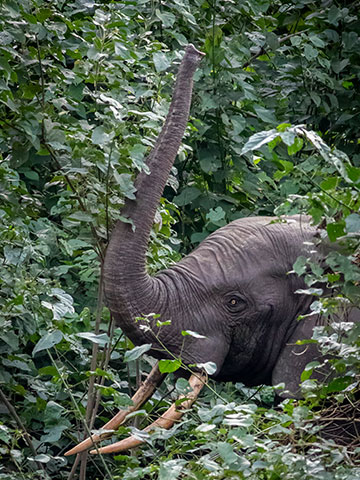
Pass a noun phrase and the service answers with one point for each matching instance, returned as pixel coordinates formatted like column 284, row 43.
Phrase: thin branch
column 82, row 205
column 41, row 73
column 74, row 468
column 21, row 426
column 91, row 388
column 106, row 360
column 107, row 223
column 74, row 401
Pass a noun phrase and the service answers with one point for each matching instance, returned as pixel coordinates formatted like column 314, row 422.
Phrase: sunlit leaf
column 136, row 352
column 48, row 341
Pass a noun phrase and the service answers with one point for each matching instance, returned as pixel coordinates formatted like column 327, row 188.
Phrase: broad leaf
column 169, row 366
column 48, row 341
column 136, row 352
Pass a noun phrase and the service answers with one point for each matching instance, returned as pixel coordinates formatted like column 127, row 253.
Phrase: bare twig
column 107, row 223
column 91, row 389
column 105, row 363
column 74, row 467
column 41, row 73
column 21, row 426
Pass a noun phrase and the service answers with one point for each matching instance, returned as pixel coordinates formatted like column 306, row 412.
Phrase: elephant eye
column 235, row 303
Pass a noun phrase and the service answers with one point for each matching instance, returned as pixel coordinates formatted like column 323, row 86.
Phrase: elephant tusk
column 145, row 391
column 167, row 419
column 301, row 353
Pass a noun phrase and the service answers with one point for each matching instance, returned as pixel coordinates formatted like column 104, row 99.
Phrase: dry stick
column 21, row 426
column 138, row 383
column 104, row 366
column 74, row 402
column 41, row 73
column 166, row 420
column 154, row 379
column 74, row 467
column 91, row 393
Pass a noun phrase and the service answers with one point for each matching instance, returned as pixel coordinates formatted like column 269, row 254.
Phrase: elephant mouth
column 145, row 391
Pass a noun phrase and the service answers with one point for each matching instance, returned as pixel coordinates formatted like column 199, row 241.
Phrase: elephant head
column 235, row 290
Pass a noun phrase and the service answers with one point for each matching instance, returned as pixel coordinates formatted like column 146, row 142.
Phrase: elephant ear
column 294, row 358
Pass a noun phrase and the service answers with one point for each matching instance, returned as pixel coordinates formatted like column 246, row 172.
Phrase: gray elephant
column 234, row 290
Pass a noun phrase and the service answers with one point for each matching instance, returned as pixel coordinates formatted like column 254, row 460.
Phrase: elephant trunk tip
column 192, row 49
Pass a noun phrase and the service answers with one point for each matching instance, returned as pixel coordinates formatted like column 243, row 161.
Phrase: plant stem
column 21, row 426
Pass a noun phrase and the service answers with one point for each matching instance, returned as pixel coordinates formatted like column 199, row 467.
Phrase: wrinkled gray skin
column 234, row 288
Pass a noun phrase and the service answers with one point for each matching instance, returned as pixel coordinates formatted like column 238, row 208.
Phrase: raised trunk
column 129, row 290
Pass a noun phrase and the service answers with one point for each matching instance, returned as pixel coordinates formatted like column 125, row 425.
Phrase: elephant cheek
column 211, row 350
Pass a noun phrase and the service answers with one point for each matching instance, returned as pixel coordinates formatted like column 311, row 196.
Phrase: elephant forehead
column 250, row 245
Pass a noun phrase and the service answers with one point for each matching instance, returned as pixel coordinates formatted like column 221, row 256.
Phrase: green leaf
column 48, row 341
column 81, row 216
column 339, row 384
column 209, row 367
column 161, row 61
column 62, row 307
column 317, row 41
column 338, row 66
column 31, row 175
column 183, row 386
column 42, row 458
column 353, row 173
column 315, row 98
column 329, row 183
column 169, row 366
column 166, row 18
column 192, row 334
column 334, row 14
column 335, row 230
column 171, row 469
column 288, row 137
column 300, row 265
column 101, row 339
column 216, row 216
column 265, row 114
column 126, row 184
column 272, row 40
column 188, row 195
column 296, row 146
column 257, row 140
column 226, row 451
column 136, row 352
column 310, row 52
column 14, row 256
column 310, row 291
column 100, row 137
column 238, row 123
column 308, row 370
column 352, row 223
column 4, row 434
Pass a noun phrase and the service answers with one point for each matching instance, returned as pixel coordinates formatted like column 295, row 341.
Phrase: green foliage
column 84, row 89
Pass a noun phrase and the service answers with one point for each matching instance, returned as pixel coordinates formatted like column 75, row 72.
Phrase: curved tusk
column 145, row 391
column 167, row 419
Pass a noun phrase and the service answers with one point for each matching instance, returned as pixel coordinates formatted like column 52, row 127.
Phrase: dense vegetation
column 84, row 88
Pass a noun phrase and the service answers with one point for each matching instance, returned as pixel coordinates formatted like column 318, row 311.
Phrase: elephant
column 236, row 290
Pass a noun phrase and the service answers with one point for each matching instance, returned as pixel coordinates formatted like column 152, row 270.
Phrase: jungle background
column 274, row 129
